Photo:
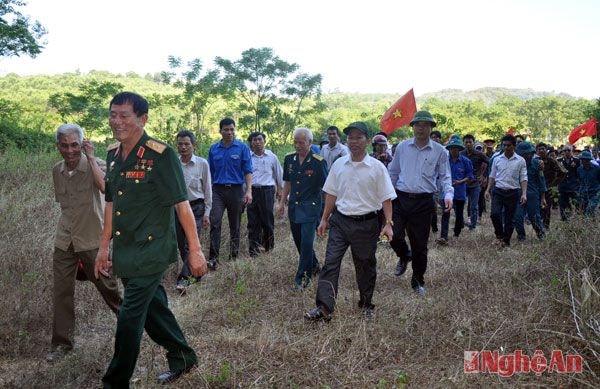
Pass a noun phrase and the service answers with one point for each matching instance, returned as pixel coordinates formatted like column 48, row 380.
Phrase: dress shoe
column 400, row 267
column 212, row 264
column 441, row 241
column 172, row 375
column 180, row 287
column 316, row 270
column 297, row 288
column 56, row 354
column 420, row 290
column 317, row 314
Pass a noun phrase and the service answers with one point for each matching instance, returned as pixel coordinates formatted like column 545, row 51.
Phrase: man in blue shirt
column 230, row 168
column 461, row 170
column 589, row 183
column 536, row 187
column 418, row 164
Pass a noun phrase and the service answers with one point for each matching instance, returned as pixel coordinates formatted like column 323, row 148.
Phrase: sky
column 372, row 46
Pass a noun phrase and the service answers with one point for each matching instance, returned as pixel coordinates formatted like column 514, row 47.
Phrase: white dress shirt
column 509, row 172
column 360, row 187
column 197, row 180
column 266, row 170
column 330, row 154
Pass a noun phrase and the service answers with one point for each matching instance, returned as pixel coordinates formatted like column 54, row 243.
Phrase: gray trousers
column 362, row 237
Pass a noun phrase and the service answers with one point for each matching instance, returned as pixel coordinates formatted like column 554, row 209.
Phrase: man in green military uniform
column 304, row 174
column 144, row 181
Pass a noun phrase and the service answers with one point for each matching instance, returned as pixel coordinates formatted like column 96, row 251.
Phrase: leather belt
column 359, row 218
column 197, row 201
column 414, row 195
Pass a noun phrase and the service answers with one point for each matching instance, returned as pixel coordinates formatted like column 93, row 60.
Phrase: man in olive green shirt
column 78, row 187
column 144, row 181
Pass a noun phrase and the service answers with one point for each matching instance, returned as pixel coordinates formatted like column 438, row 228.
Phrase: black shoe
column 181, row 285
column 400, row 267
column 57, row 354
column 212, row 264
column 419, row 290
column 172, row 375
column 316, row 270
column 317, row 314
column 369, row 313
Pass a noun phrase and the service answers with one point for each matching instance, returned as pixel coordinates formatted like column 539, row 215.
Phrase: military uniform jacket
column 143, row 189
column 306, row 181
column 571, row 181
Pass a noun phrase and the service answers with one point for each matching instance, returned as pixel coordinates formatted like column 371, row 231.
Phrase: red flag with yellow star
column 400, row 114
column 586, row 129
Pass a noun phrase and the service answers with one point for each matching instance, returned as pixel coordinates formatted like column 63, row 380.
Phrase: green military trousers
column 145, row 306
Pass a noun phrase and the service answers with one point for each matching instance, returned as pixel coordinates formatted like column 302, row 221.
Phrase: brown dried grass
column 246, row 324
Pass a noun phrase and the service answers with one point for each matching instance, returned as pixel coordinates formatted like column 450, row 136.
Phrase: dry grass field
column 246, row 323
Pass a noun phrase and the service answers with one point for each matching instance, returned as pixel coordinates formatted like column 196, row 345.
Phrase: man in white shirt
column 266, row 182
column 198, row 182
column 357, row 186
column 508, row 175
column 334, row 149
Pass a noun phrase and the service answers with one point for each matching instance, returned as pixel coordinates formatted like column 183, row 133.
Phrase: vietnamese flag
column 586, row 129
column 511, row 131
column 400, row 114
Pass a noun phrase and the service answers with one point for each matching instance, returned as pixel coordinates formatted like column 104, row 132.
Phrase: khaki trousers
column 65, row 269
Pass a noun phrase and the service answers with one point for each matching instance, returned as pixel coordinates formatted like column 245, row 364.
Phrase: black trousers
column 225, row 197
column 413, row 215
column 459, row 219
column 565, row 202
column 361, row 236
column 198, row 208
column 504, row 206
column 261, row 220
column 482, row 201
column 546, row 211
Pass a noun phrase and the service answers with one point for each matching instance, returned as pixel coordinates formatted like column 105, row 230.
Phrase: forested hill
column 34, row 105
column 488, row 95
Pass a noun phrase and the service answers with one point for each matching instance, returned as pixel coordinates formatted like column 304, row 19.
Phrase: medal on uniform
column 112, row 165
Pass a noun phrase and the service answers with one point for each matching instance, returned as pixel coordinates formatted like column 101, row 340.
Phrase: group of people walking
column 156, row 204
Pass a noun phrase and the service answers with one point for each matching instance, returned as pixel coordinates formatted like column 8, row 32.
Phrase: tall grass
column 246, row 323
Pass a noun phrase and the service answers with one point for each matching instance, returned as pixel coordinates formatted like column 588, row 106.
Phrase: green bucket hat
column 586, row 154
column 455, row 142
column 423, row 116
column 525, row 148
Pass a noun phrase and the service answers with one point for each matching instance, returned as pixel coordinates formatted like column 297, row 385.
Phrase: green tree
column 19, row 35
column 270, row 89
column 199, row 90
column 89, row 108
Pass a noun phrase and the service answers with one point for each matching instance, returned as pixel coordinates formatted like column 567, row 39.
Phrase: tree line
column 263, row 92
